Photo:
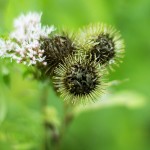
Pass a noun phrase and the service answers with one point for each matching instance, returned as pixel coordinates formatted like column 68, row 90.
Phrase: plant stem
column 67, row 119
column 44, row 103
column 52, row 135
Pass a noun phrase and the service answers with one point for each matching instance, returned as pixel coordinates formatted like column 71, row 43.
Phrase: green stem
column 44, row 103
column 52, row 135
column 67, row 119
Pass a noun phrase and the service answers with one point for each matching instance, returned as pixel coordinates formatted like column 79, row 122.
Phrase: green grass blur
column 124, row 124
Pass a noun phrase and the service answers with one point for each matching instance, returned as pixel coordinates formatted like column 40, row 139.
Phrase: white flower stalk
column 25, row 40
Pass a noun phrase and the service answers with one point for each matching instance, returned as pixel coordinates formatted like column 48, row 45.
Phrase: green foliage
column 115, row 125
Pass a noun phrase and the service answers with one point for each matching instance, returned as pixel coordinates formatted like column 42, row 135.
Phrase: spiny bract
column 56, row 49
column 102, row 44
column 79, row 80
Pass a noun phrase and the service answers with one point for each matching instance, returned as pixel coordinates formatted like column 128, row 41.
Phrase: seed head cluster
column 103, row 51
column 81, row 79
column 102, row 43
column 76, row 65
column 56, row 49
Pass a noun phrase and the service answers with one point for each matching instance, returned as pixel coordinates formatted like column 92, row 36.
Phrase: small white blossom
column 28, row 27
column 24, row 45
column 6, row 48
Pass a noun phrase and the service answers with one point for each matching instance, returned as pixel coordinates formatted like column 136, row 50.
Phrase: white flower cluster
column 6, row 48
column 24, row 45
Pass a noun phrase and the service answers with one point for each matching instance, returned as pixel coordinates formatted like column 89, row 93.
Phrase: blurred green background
column 121, row 120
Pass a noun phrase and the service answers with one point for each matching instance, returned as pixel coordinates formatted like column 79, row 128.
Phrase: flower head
column 28, row 27
column 25, row 40
column 56, row 49
column 102, row 44
column 79, row 80
column 6, row 48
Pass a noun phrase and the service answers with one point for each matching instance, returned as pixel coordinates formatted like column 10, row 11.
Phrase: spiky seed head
column 103, row 51
column 79, row 80
column 102, row 44
column 56, row 49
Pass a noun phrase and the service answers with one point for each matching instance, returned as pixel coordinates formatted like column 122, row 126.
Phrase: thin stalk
column 66, row 121
column 44, row 103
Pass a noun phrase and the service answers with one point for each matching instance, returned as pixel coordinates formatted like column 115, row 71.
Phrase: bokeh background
column 120, row 120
